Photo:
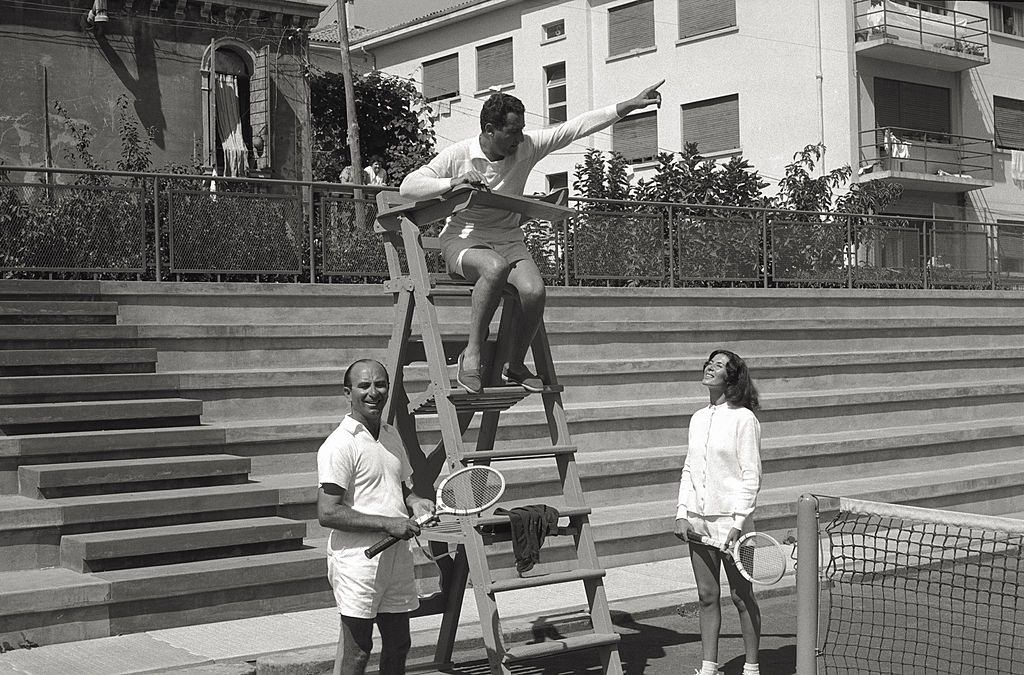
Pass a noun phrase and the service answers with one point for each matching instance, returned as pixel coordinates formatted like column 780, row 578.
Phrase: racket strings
column 762, row 560
column 471, row 489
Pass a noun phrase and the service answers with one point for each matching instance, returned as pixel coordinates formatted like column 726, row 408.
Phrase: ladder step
column 518, row 583
column 563, row 512
column 553, row 647
column 491, row 398
column 517, row 453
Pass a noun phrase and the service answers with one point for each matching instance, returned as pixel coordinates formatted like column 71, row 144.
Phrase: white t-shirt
column 722, row 472
column 371, row 471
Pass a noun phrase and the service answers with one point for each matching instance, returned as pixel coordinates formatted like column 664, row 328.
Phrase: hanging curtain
column 229, row 125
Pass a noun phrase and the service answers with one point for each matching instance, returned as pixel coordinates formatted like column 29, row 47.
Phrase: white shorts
column 365, row 587
column 717, row 527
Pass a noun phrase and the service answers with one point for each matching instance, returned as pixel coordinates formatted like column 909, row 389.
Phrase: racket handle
column 387, row 542
column 381, row 546
column 701, row 539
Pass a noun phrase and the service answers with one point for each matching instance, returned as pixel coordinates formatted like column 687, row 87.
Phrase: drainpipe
column 819, row 76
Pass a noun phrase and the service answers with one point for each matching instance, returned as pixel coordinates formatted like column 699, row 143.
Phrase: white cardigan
column 722, row 472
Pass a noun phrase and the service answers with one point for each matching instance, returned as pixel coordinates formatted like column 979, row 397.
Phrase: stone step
column 642, row 532
column 604, row 425
column 51, row 289
column 59, row 605
column 89, row 387
column 147, row 302
column 85, row 415
column 126, row 475
column 229, row 346
column 42, row 362
column 85, row 336
column 170, row 544
column 28, row 312
column 32, row 528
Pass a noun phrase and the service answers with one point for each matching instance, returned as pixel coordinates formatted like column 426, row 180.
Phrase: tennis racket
column 758, row 556
column 464, row 493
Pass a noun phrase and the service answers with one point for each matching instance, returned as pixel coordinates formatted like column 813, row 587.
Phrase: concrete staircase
column 158, row 459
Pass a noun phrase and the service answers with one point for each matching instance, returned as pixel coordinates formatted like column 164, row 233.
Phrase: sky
column 386, row 13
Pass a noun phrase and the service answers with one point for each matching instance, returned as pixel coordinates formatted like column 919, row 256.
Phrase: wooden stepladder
column 416, row 338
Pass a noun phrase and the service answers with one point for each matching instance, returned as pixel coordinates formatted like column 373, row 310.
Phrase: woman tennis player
column 717, row 490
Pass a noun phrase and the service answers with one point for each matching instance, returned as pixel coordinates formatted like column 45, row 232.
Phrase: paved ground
column 671, row 644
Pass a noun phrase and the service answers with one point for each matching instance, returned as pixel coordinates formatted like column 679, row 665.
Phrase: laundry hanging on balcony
column 229, row 125
column 1017, row 168
column 896, row 148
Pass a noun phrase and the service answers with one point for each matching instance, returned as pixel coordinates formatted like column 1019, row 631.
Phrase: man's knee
column 532, row 294
column 491, row 268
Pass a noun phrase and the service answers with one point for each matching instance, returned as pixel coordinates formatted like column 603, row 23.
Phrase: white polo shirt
column 370, row 470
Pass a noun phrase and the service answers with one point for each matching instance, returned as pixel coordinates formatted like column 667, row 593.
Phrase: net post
column 807, row 585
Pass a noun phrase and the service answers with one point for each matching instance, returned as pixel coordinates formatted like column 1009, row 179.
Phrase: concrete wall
column 153, row 59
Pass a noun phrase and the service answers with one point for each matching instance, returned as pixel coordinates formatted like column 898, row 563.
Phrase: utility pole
column 350, row 95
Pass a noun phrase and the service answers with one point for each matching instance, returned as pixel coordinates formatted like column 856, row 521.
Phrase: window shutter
column 912, row 106
column 1009, row 122
column 636, row 137
column 259, row 107
column 630, row 27
column 925, row 108
column 494, row 65
column 887, row 103
column 441, row 78
column 714, row 125
column 697, row 17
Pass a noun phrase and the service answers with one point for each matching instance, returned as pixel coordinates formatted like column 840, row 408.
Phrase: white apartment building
column 929, row 95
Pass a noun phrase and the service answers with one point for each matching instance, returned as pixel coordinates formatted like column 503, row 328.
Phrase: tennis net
column 909, row 590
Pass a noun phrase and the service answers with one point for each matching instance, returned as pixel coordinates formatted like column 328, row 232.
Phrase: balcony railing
column 68, row 224
column 912, row 151
column 923, row 26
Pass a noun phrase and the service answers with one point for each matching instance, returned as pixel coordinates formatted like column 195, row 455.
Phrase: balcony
column 938, row 38
column 925, row 160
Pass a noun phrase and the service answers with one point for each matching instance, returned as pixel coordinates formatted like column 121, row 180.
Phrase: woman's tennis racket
column 758, row 556
column 464, row 493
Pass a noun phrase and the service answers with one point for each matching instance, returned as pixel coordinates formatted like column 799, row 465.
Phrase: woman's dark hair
column 739, row 387
column 496, row 110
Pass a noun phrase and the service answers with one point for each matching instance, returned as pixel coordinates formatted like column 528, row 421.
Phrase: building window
column 554, row 88
column 697, row 17
column 630, row 27
column 1011, row 246
column 1008, row 114
column 553, row 31
column 441, row 78
column 237, row 134
column 919, row 111
column 933, row 6
column 557, row 181
column 494, row 65
column 1006, row 18
column 714, row 124
column 636, row 137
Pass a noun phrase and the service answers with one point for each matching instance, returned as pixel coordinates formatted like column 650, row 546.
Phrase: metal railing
column 927, row 152
column 62, row 223
column 923, row 24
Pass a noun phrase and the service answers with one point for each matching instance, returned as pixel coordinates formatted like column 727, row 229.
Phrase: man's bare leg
column 354, row 646
column 526, row 278
column 395, row 642
column 489, row 273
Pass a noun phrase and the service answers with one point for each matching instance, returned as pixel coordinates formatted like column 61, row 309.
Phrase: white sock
column 751, row 669
column 708, row 668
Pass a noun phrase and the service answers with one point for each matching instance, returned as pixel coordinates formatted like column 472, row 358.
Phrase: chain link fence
column 72, row 228
column 81, row 224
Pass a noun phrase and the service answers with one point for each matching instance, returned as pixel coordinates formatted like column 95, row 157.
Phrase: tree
column 394, row 124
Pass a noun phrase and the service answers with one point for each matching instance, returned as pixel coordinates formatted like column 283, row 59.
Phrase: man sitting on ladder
column 486, row 245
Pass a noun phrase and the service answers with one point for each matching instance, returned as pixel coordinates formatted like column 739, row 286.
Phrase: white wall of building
column 791, row 62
